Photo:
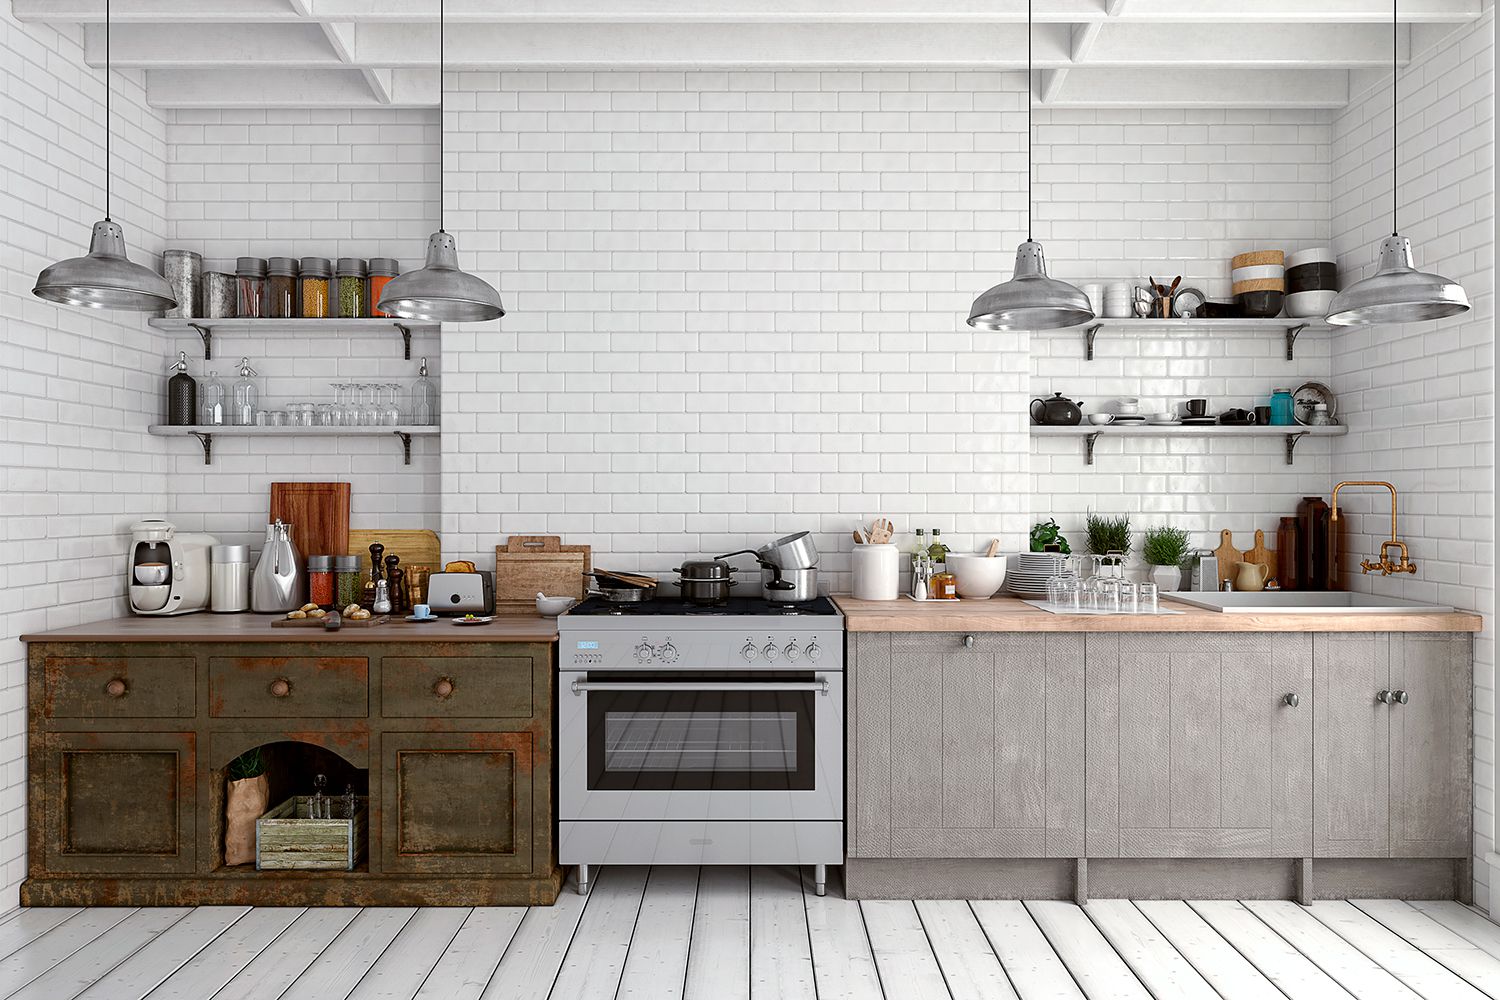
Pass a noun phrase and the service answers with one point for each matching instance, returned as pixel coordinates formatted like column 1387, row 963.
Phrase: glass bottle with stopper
column 424, row 399
column 182, row 394
column 245, row 396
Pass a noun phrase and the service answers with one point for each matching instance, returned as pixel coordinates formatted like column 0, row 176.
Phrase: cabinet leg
column 820, row 879
column 1080, row 880
column 583, row 880
column 1304, row 881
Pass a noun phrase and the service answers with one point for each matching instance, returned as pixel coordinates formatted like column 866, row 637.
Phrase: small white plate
column 429, row 618
column 1163, row 423
column 472, row 621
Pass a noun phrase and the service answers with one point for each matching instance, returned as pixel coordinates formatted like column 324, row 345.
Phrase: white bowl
column 979, row 576
column 1099, row 419
column 151, row 574
column 551, row 607
column 1312, row 255
column 1309, row 304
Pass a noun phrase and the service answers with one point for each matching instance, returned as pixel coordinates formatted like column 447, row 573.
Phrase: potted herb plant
column 1108, row 538
column 1045, row 534
column 248, row 796
column 1165, row 548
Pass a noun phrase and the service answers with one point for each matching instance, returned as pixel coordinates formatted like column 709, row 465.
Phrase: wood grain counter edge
column 208, row 627
column 1008, row 614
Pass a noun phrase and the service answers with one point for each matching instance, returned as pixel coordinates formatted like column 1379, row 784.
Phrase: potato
column 360, row 615
column 296, row 614
column 351, row 609
column 309, row 607
column 317, row 613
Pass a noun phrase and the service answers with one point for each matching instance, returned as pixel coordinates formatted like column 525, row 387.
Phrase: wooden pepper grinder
column 393, row 579
column 376, row 551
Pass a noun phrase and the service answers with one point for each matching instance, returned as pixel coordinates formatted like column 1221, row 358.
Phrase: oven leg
column 820, row 879
column 583, row 880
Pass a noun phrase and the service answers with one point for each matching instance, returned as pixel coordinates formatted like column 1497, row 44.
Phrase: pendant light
column 1030, row 300
column 105, row 279
column 440, row 291
column 1397, row 292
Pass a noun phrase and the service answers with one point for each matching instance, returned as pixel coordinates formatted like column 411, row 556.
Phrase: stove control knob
column 770, row 652
column 814, row 651
column 792, row 652
column 667, row 653
column 749, row 652
column 644, row 652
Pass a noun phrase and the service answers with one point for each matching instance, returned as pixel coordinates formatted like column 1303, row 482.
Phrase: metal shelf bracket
column 1088, row 442
column 406, row 343
column 1292, row 332
column 1291, row 444
column 1088, row 341
column 207, row 334
column 405, row 446
column 207, row 441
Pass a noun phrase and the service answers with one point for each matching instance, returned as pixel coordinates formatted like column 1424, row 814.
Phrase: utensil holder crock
column 876, row 570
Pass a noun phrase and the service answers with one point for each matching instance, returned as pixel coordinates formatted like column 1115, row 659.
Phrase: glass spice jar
column 382, row 270
column 321, row 589
column 250, row 286
column 281, row 288
column 351, row 583
column 315, row 275
column 353, row 291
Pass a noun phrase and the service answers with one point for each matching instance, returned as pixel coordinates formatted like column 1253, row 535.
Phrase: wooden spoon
column 989, row 553
column 881, row 531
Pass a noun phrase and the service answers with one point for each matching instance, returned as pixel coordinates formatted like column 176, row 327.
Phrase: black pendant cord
column 442, row 123
column 1028, row 121
column 108, row 122
column 1395, row 116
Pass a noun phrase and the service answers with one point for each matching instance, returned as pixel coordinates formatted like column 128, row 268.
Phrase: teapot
column 1250, row 577
column 1057, row 410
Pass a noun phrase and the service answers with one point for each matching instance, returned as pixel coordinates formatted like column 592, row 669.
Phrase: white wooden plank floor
column 722, row 933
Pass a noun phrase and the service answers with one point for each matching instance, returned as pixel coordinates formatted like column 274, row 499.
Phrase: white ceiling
column 1088, row 53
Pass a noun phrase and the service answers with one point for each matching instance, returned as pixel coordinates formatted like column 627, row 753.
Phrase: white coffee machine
column 168, row 572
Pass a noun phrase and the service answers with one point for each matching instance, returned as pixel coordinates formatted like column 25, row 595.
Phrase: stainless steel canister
column 229, row 578
column 219, row 295
column 183, row 270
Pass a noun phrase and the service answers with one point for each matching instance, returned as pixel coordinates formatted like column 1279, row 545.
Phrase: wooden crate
column 285, row 838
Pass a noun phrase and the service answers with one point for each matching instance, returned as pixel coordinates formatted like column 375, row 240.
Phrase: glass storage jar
column 315, row 274
column 351, row 583
column 1283, row 413
column 321, row 585
column 353, row 290
column 250, row 286
column 382, row 270
column 281, row 288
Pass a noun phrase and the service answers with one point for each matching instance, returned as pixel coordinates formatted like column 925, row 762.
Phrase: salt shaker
column 382, row 605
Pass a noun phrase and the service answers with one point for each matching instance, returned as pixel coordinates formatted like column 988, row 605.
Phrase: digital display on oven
column 589, row 644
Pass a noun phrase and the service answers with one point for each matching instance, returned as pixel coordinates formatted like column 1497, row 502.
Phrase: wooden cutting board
column 526, row 564
column 318, row 514
column 347, row 622
column 1262, row 555
column 415, row 546
column 1227, row 555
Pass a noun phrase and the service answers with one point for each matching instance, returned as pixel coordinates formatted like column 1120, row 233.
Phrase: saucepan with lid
column 795, row 551
column 706, row 582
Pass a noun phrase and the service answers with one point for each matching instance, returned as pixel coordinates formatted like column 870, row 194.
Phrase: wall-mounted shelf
column 205, row 328
column 206, row 433
column 1091, row 433
column 1289, row 327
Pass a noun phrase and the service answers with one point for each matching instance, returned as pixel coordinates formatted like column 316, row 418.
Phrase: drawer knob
column 968, row 642
column 115, row 688
column 1399, row 697
column 1291, row 699
column 443, row 688
column 281, row 687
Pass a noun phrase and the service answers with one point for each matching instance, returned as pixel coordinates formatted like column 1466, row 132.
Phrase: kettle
column 1056, row 410
column 279, row 582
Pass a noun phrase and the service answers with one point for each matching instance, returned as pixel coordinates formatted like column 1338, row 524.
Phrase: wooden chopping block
column 1227, row 555
column 318, row 514
column 415, row 546
column 528, row 564
column 1262, row 555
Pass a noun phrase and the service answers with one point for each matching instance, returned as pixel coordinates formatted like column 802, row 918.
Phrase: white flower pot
column 1166, row 578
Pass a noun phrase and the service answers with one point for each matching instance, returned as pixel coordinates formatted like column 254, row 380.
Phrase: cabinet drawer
column 119, row 687
column 460, row 687
column 276, row 687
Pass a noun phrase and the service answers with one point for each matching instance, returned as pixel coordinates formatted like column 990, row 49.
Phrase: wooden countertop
column 209, row 627
column 1008, row 614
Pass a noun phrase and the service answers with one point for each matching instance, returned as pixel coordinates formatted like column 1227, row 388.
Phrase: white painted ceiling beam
column 245, row 87
column 147, row 46
column 1267, row 45
column 1157, row 87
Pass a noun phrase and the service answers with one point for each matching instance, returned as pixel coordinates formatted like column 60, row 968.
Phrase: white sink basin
column 1303, row 602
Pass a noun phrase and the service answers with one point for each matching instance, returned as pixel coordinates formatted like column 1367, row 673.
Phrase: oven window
column 696, row 740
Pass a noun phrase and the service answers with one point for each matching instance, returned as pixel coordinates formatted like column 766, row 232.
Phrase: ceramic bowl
column 551, row 607
column 151, row 574
column 1310, row 304
column 1260, row 305
column 1100, row 419
column 979, row 576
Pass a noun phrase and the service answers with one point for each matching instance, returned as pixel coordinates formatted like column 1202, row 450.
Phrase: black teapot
column 1057, row 410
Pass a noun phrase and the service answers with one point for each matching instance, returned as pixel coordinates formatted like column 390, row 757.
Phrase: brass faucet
column 1386, row 567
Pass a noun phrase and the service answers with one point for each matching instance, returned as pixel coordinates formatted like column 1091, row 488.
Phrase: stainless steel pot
column 617, row 592
column 788, row 586
column 795, row 551
column 705, row 582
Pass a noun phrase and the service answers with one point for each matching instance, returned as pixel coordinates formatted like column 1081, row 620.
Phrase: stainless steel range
column 701, row 735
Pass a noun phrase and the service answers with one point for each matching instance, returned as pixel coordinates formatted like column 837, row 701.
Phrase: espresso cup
column 421, row 611
column 1197, row 407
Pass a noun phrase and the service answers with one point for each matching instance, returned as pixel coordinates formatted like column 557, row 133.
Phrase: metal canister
column 183, row 270
column 219, row 295
column 229, row 578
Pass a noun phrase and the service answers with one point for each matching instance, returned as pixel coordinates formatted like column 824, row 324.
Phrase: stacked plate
column 1027, row 574
column 1117, row 300
column 1312, row 278
column 1259, row 282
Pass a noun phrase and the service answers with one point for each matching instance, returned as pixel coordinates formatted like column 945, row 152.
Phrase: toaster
column 461, row 593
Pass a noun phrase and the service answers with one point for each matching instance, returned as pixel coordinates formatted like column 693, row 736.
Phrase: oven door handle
column 820, row 685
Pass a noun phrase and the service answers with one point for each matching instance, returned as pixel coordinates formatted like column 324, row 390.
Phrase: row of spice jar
column 278, row 287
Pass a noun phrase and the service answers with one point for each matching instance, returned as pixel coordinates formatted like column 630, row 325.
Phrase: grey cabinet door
column 1431, row 792
column 1193, row 750
column 1351, row 737
column 966, row 751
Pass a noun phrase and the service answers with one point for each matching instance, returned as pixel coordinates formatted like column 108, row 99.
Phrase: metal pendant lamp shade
column 441, row 292
column 1030, row 300
column 1397, row 292
column 105, row 279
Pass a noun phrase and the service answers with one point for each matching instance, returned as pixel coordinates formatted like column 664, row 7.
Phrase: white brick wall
column 1420, row 398
column 76, row 385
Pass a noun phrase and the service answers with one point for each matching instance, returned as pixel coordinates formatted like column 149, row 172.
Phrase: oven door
column 709, row 745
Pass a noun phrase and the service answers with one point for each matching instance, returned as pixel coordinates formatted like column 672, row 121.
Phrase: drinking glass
column 1146, row 598
column 391, row 414
column 324, row 416
column 1127, row 597
column 369, row 405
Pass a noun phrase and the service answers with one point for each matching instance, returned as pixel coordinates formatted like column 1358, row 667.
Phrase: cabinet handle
column 443, row 688
column 968, row 642
column 281, row 687
column 115, row 688
column 1400, row 697
column 1385, row 697
column 1291, row 699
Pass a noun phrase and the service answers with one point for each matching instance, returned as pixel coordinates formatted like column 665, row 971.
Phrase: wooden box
column 286, row 838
